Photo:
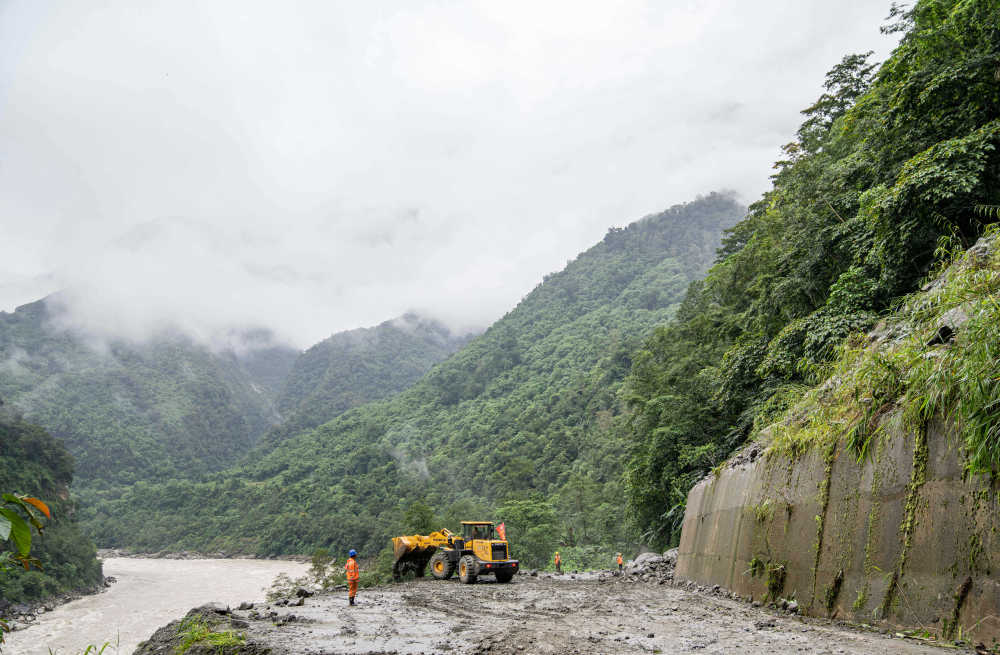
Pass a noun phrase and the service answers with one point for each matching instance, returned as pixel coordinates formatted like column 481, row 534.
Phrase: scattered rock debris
column 643, row 610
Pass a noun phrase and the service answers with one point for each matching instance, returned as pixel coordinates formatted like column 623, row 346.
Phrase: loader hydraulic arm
column 412, row 552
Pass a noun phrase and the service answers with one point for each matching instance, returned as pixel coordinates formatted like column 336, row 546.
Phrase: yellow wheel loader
column 476, row 552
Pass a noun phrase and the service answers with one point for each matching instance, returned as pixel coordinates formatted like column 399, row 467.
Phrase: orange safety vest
column 352, row 569
column 558, row 559
column 619, row 560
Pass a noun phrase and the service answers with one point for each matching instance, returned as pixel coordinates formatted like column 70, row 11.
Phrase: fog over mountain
column 321, row 166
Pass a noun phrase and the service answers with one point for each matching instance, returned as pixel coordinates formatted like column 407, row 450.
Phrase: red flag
column 502, row 531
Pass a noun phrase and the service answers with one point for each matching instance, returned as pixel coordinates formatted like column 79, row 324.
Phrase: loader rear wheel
column 467, row 570
column 442, row 567
column 505, row 576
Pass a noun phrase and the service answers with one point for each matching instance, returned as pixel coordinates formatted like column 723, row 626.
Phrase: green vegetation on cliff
column 935, row 358
column 887, row 164
column 33, row 463
column 520, row 422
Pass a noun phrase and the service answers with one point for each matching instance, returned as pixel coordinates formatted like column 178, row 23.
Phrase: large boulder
column 175, row 637
column 670, row 556
column 646, row 559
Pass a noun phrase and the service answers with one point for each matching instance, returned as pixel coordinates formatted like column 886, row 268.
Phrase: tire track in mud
column 550, row 615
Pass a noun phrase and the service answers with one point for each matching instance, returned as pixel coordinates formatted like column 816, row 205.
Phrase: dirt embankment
column 583, row 614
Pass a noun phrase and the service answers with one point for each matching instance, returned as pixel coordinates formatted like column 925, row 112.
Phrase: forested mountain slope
column 32, row 462
column 892, row 167
column 128, row 412
column 358, row 366
column 522, row 417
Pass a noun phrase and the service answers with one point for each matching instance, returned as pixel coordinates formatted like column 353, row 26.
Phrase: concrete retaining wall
column 916, row 547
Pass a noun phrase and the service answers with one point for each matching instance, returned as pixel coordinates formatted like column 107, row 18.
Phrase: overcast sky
column 316, row 166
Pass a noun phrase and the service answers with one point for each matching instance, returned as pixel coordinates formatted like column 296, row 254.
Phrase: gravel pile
column 650, row 568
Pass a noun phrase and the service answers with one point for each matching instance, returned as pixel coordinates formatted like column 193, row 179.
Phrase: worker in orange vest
column 558, row 563
column 620, row 562
column 353, row 573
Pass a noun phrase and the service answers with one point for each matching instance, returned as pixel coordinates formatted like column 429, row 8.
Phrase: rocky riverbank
column 105, row 553
column 22, row 615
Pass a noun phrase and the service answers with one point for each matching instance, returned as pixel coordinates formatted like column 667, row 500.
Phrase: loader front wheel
column 467, row 572
column 442, row 567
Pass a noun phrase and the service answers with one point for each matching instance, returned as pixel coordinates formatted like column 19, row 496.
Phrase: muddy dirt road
column 550, row 615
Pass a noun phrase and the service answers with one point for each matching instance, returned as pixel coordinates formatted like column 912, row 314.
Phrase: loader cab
column 474, row 530
column 482, row 541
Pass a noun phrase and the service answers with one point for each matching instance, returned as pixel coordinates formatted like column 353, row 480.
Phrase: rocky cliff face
column 870, row 505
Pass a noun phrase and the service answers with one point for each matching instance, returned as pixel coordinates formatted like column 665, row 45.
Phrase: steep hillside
column 892, row 167
column 131, row 412
column 34, row 463
column 265, row 363
column 358, row 366
column 901, row 443
column 520, row 421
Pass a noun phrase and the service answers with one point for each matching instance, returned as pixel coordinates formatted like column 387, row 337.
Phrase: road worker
column 620, row 562
column 558, row 563
column 351, row 569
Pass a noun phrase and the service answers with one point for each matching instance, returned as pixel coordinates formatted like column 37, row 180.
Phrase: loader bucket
column 412, row 552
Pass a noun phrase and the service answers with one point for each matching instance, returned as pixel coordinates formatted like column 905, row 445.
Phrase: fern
column 988, row 211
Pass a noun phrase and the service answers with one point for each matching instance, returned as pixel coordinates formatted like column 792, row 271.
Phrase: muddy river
column 149, row 593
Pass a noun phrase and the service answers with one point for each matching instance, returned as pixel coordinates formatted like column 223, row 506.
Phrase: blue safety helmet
column 352, row 553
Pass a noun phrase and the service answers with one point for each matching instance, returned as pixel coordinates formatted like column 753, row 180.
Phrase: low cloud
column 13, row 364
column 328, row 165
column 407, row 448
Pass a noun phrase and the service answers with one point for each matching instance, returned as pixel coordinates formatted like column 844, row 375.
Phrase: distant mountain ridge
column 172, row 408
column 358, row 366
column 137, row 411
column 524, row 411
column 333, row 442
